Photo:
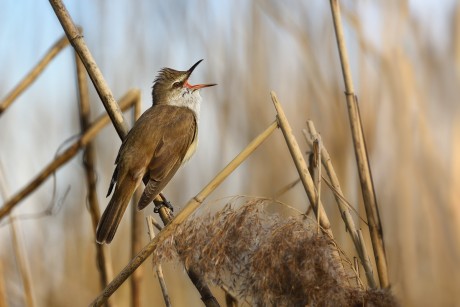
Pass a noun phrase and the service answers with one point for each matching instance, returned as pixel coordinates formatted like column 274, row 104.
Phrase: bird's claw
column 164, row 203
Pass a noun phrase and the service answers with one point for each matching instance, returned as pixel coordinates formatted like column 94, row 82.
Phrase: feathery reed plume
column 266, row 259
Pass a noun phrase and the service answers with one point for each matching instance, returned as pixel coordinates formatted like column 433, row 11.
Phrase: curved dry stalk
column 68, row 154
column 365, row 176
column 343, row 206
column 33, row 74
column 191, row 206
column 103, row 259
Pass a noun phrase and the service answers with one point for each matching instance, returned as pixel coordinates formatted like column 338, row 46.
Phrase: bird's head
column 172, row 87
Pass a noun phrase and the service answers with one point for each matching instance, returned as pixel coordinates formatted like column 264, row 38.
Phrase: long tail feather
column 113, row 181
column 113, row 214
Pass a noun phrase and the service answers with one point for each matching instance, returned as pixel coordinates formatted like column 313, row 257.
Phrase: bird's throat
column 191, row 100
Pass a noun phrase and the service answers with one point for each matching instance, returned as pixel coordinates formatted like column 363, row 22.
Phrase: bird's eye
column 176, row 84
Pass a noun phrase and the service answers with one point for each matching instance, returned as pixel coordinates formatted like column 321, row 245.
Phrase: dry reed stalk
column 165, row 214
column 191, row 206
column 305, row 176
column 33, row 74
column 103, row 90
column 367, row 261
column 159, row 270
column 21, row 260
column 18, row 251
column 206, row 295
column 230, row 300
column 230, row 296
column 317, row 171
column 103, row 258
column 136, row 246
column 300, row 164
column 127, row 100
column 343, row 206
column 356, row 269
column 367, row 185
column 156, row 224
column 3, row 297
column 136, row 231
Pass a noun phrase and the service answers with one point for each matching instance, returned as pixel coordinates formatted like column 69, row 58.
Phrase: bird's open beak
column 189, row 72
column 197, row 86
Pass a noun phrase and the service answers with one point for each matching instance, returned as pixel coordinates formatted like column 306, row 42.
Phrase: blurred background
column 405, row 61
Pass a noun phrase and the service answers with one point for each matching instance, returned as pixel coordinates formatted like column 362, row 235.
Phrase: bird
column 163, row 138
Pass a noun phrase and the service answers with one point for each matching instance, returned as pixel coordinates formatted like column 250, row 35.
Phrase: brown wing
column 178, row 133
column 147, row 136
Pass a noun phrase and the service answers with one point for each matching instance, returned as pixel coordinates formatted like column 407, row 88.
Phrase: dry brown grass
column 265, row 259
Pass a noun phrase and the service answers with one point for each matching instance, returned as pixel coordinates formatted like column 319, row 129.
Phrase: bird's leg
column 164, row 202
